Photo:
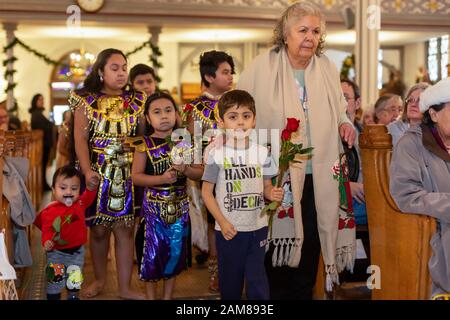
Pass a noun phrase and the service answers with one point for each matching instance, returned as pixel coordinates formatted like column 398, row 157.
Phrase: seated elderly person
column 411, row 115
column 420, row 176
column 387, row 108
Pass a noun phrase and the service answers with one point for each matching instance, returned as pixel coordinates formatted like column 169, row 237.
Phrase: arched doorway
column 69, row 74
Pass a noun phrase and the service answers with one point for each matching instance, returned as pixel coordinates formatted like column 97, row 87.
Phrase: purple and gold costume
column 204, row 109
column 166, row 217
column 111, row 120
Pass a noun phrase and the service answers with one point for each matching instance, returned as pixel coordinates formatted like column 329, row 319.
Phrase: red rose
column 125, row 104
column 188, row 107
column 291, row 212
column 341, row 224
column 281, row 214
column 351, row 224
column 292, row 124
column 285, row 135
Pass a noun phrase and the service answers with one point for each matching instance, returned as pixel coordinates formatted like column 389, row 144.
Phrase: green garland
column 153, row 58
column 347, row 64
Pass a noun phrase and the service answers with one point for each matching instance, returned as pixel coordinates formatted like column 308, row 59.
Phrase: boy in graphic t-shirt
column 236, row 171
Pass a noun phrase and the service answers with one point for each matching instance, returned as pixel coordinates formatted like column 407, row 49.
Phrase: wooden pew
column 399, row 242
column 5, row 221
column 26, row 144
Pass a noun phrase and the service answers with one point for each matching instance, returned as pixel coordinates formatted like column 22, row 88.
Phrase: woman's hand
column 348, row 134
column 357, row 190
column 228, row 230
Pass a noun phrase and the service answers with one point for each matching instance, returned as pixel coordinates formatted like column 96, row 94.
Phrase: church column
column 10, row 28
column 368, row 21
column 250, row 52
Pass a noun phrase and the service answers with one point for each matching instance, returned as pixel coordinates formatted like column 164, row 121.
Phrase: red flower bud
column 188, row 107
column 285, row 135
column 291, row 212
column 292, row 124
column 351, row 224
column 341, row 224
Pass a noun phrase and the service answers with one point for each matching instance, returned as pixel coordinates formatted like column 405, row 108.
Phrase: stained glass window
column 380, row 69
column 438, row 58
column 444, row 57
column 433, row 59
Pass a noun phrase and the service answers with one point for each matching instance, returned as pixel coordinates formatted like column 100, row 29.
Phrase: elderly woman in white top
column 411, row 115
column 420, row 176
column 294, row 79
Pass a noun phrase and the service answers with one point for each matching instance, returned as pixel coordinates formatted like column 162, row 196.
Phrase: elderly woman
column 420, row 176
column 387, row 108
column 411, row 115
column 294, row 80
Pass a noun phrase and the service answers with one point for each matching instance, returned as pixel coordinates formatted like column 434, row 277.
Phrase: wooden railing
column 26, row 144
column 399, row 242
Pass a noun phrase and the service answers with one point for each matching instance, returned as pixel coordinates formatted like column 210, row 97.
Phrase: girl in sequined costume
column 164, row 228
column 216, row 71
column 105, row 115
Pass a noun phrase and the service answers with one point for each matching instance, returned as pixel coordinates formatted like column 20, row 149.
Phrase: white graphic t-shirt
column 239, row 177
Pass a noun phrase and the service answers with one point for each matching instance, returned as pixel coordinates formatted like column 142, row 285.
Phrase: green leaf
column 62, row 242
column 57, row 224
column 68, row 219
column 56, row 237
column 50, row 273
column 307, row 150
column 273, row 205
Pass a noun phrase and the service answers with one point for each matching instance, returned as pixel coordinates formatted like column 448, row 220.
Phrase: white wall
column 337, row 56
column 414, row 57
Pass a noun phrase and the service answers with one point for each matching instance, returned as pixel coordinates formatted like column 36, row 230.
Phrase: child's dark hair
column 66, row 172
column 210, row 61
column 141, row 69
column 239, row 98
column 156, row 96
column 426, row 115
column 354, row 86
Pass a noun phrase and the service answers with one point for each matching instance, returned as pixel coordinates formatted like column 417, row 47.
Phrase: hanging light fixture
column 81, row 63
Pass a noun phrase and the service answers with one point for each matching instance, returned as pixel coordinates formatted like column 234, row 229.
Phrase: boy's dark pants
column 239, row 259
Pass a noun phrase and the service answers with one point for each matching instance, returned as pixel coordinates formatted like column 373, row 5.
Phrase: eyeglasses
column 392, row 109
column 411, row 100
column 348, row 98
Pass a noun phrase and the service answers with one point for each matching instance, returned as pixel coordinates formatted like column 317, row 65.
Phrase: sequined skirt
column 165, row 234
column 115, row 198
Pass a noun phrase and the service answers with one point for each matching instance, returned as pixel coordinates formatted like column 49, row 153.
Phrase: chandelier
column 81, row 63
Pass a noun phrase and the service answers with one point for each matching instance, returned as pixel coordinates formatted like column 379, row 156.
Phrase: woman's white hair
column 295, row 12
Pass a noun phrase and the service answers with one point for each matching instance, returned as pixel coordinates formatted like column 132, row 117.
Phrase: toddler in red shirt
column 64, row 231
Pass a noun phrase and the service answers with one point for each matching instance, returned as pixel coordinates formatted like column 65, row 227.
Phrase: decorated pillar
column 10, row 36
column 368, row 25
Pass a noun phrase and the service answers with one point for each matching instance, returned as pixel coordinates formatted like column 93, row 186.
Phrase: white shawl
column 271, row 82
